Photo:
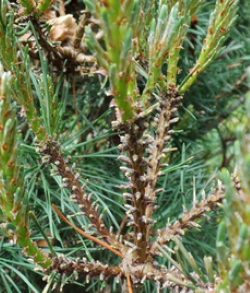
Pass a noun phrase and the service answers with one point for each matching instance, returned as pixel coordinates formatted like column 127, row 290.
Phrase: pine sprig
column 13, row 199
column 137, row 45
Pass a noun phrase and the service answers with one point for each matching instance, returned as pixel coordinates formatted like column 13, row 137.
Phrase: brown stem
column 130, row 290
column 136, row 147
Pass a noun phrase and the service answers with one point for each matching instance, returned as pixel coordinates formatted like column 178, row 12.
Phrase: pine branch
column 52, row 155
column 134, row 43
column 189, row 219
column 73, row 269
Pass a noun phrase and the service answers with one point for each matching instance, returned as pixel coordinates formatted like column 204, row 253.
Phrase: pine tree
column 118, row 119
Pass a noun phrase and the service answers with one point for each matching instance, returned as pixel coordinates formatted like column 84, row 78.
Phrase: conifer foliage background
column 124, row 146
